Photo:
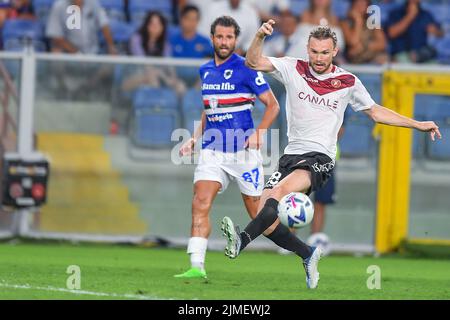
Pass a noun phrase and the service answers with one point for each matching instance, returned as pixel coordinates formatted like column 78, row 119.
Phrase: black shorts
column 320, row 165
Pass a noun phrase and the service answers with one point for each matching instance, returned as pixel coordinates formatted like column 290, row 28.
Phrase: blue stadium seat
column 372, row 82
column 432, row 107
column 155, row 98
column 115, row 9
column 189, row 75
column 138, row 9
column 436, row 108
column 42, row 8
column 298, row 6
column 443, row 49
column 121, row 33
column 17, row 32
column 153, row 128
column 357, row 139
column 192, row 107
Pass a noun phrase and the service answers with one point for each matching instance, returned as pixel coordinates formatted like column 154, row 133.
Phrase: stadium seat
column 357, row 139
column 189, row 75
column 192, row 107
column 42, row 8
column 121, row 33
column 17, row 32
column 372, row 82
column 138, row 9
column 155, row 98
column 153, row 128
column 443, row 49
column 115, row 9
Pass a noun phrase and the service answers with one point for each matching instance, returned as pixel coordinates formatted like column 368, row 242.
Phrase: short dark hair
column 322, row 33
column 226, row 21
column 189, row 8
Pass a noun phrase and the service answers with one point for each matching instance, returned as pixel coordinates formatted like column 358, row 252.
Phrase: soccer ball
column 295, row 210
column 320, row 239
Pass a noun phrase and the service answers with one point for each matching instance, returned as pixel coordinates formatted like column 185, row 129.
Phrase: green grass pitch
column 38, row 271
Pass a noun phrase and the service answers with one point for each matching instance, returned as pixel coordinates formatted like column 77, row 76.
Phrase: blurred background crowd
column 409, row 30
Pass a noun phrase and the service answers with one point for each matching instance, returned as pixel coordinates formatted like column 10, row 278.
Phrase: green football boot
column 192, row 273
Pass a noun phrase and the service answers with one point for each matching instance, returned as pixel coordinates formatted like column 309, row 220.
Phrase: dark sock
column 265, row 218
column 284, row 238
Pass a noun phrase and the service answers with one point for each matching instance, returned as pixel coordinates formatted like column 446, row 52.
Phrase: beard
column 325, row 67
column 225, row 55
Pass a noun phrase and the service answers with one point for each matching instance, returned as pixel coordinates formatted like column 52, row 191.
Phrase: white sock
column 197, row 251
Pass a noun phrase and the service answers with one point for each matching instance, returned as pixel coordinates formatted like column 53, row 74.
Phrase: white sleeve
column 283, row 68
column 360, row 98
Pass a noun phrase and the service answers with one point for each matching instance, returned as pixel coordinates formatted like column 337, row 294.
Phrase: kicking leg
column 204, row 194
column 298, row 180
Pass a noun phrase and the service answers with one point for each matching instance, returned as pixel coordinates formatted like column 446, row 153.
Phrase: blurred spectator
column 21, row 9
column 408, row 30
column 318, row 13
column 270, row 9
column 16, row 9
column 151, row 40
column 206, row 8
column 187, row 43
column 279, row 45
column 364, row 45
column 85, row 39
column 244, row 14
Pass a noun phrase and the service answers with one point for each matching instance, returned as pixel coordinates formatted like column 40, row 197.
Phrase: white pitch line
column 78, row 292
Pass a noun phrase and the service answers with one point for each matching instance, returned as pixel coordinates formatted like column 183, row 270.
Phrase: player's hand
column 255, row 141
column 431, row 127
column 266, row 29
column 187, row 148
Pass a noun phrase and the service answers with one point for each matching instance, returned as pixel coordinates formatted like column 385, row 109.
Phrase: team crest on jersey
column 227, row 74
column 213, row 102
column 336, row 83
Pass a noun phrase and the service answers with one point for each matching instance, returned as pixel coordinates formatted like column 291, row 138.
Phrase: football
column 295, row 210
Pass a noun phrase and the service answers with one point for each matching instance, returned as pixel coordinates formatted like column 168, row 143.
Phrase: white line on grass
column 79, row 292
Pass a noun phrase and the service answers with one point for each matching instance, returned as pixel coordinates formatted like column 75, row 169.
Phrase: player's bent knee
column 201, row 203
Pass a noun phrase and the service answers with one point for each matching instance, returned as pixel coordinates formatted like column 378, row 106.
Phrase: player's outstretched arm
column 384, row 115
column 254, row 58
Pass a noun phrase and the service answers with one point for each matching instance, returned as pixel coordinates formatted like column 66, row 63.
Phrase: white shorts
column 243, row 166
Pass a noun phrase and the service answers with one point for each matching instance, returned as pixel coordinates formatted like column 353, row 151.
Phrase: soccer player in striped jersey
column 230, row 142
column 318, row 93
